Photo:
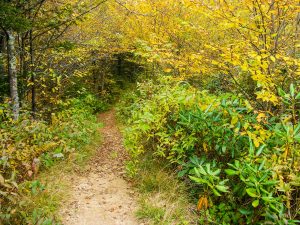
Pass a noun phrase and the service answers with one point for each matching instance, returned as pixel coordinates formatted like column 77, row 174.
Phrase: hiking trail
column 101, row 195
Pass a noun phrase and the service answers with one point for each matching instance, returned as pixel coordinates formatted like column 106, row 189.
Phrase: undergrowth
column 163, row 198
column 240, row 164
column 42, row 198
column 29, row 147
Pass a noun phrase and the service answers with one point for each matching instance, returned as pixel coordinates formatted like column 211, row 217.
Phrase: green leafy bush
column 27, row 146
column 242, row 162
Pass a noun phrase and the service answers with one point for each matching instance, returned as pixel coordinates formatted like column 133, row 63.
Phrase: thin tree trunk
column 3, row 74
column 1, row 54
column 2, row 43
column 22, row 66
column 33, row 92
column 12, row 72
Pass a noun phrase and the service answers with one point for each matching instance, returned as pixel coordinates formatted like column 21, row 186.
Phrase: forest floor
column 101, row 195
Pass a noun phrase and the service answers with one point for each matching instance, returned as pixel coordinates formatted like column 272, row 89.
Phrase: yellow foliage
column 202, row 203
column 242, row 40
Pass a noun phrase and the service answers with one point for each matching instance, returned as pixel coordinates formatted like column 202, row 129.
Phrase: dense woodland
column 211, row 88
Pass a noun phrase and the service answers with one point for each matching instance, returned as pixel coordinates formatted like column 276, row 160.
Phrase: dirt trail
column 102, row 196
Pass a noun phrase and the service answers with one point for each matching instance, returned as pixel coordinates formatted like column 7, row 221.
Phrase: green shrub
column 28, row 146
column 243, row 163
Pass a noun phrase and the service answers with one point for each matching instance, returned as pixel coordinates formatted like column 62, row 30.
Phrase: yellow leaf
column 273, row 58
column 205, row 147
column 202, row 203
column 260, row 117
column 168, row 70
column 234, row 120
column 256, row 142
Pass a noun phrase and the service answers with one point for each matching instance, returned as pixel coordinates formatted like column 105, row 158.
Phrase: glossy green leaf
column 216, row 193
column 261, row 148
column 252, row 192
column 231, row 172
column 255, row 203
column 222, row 188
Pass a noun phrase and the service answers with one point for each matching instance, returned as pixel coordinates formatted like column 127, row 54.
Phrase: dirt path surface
column 102, row 196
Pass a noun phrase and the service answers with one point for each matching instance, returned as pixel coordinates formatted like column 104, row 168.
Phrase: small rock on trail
column 102, row 196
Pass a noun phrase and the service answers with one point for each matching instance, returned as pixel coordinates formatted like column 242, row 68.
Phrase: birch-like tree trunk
column 12, row 72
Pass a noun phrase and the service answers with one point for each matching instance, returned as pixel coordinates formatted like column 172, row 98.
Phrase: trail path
column 102, row 196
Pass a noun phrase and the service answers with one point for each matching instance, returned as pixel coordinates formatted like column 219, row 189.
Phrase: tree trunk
column 12, row 72
column 33, row 92
column 1, row 54
column 22, row 67
column 3, row 74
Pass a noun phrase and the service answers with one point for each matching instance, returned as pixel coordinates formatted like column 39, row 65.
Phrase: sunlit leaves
column 243, row 40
